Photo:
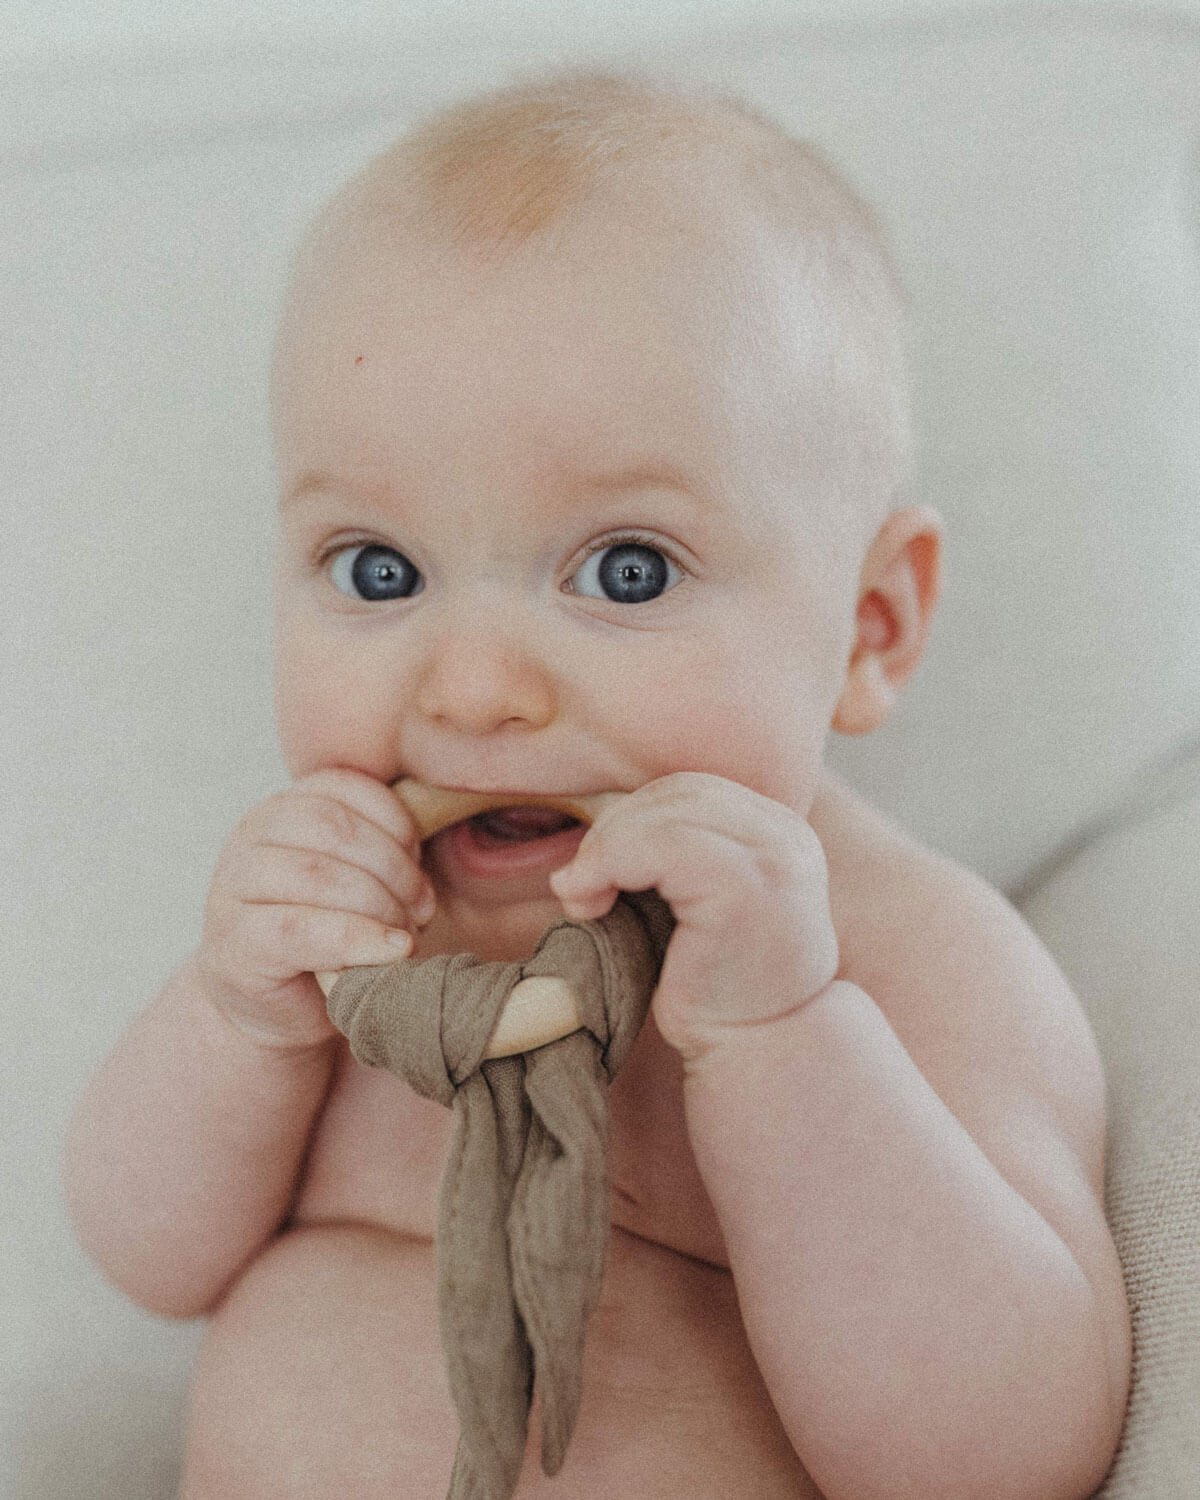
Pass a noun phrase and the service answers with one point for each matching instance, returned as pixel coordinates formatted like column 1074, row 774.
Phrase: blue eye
column 627, row 572
column 374, row 573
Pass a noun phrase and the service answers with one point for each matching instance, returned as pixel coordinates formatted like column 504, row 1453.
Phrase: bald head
column 496, row 170
column 516, row 172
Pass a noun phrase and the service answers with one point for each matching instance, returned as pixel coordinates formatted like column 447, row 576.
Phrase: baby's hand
column 312, row 878
column 746, row 879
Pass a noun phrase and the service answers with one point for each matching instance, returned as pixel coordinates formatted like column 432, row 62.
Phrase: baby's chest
column 376, row 1155
column 379, row 1150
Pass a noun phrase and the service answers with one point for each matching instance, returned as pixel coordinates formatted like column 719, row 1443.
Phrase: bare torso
column 321, row 1373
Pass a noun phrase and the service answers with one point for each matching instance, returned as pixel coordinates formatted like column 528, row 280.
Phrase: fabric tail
column 558, row 1226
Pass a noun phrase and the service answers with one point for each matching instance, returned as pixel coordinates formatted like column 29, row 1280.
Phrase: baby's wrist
column 710, row 1041
column 236, row 1013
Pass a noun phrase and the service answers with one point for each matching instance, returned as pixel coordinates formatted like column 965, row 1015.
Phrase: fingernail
column 400, row 938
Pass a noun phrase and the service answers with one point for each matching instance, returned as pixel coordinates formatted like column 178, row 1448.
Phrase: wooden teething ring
column 540, row 1009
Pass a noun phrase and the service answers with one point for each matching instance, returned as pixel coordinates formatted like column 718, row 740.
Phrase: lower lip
column 491, row 861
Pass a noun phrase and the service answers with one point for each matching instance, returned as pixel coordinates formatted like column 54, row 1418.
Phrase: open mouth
column 511, row 841
column 485, row 835
column 502, row 826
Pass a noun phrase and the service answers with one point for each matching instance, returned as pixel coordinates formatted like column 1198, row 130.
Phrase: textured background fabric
column 1121, row 913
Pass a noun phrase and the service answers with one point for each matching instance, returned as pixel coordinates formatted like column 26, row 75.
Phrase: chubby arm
column 912, row 1205
column 906, row 1160
column 184, row 1151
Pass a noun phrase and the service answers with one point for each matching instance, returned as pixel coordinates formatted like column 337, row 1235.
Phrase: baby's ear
column 897, row 594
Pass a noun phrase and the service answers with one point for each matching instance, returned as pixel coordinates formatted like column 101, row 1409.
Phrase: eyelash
column 631, row 539
column 617, row 539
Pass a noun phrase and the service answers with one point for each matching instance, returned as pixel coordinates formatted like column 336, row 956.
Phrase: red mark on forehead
column 358, row 361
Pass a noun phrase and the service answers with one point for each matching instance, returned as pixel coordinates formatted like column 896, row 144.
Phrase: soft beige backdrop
column 1036, row 167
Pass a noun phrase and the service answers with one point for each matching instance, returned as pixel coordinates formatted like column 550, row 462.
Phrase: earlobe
column 867, row 698
column 898, row 592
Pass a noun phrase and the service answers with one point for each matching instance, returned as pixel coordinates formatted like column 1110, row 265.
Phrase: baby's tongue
column 521, row 824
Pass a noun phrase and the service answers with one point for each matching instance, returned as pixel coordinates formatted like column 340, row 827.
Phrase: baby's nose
column 475, row 681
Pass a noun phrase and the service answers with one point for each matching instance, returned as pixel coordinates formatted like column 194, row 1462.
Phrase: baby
column 590, row 421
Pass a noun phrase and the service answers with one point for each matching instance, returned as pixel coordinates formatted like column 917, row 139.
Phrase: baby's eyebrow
column 567, row 483
column 647, row 475
column 351, row 492
column 312, row 483
column 639, row 476
column 656, row 474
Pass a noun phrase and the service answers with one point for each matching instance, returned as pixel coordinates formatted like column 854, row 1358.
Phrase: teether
column 541, row 1008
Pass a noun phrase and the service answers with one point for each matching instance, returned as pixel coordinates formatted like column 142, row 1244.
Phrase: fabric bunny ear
column 523, row 1216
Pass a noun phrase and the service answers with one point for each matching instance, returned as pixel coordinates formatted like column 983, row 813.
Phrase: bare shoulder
column 976, row 999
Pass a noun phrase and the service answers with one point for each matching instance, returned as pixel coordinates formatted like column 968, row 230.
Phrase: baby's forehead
column 717, row 202
column 656, row 256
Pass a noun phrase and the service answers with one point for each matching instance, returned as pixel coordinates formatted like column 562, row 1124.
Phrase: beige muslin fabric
column 523, row 1217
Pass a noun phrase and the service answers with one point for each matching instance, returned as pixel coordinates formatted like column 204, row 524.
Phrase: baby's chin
column 498, row 931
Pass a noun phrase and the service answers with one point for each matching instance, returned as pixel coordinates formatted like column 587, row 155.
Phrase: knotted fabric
column 523, row 1215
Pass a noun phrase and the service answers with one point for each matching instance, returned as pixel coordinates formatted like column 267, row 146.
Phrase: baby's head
column 591, row 424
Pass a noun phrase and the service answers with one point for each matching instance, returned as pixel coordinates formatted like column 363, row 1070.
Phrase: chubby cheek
column 748, row 718
column 329, row 707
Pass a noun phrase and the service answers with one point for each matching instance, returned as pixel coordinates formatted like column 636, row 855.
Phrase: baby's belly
column 322, row 1374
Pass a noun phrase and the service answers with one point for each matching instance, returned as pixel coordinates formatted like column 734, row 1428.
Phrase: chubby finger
column 371, row 799
column 333, row 830
column 659, row 853
column 698, row 839
column 281, row 874
column 279, row 940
